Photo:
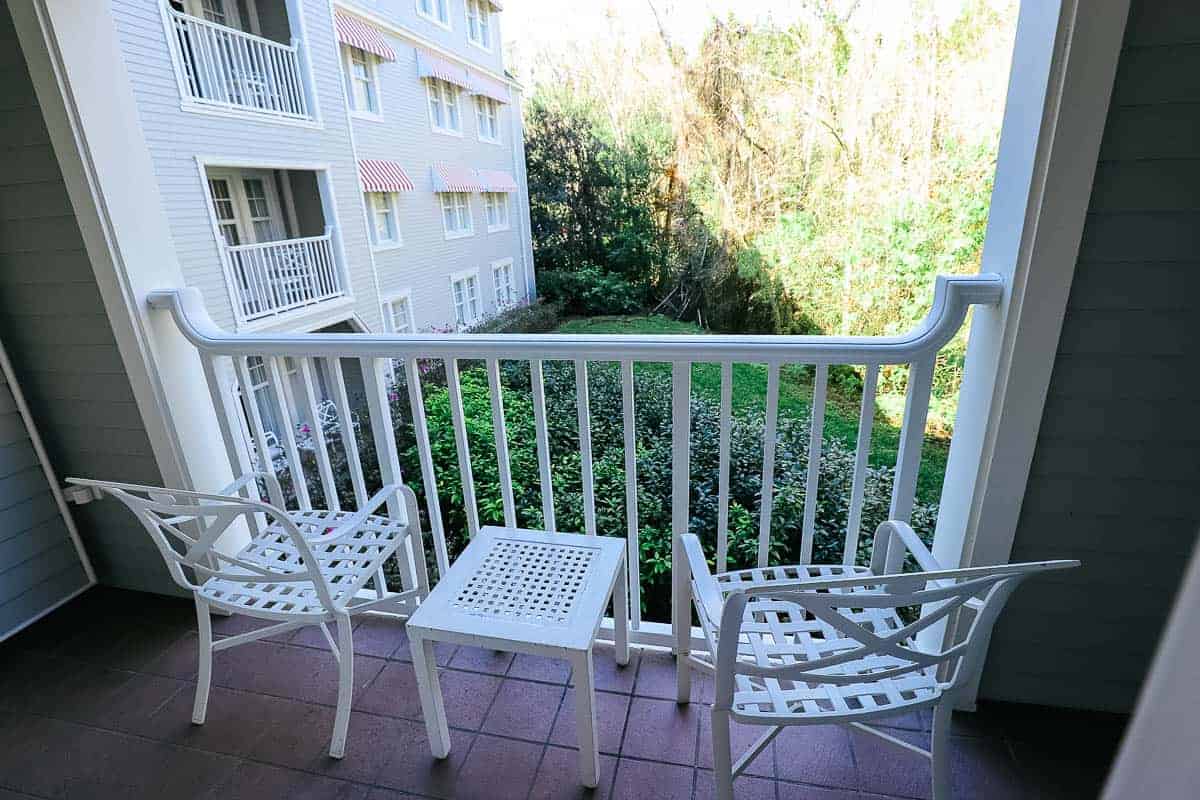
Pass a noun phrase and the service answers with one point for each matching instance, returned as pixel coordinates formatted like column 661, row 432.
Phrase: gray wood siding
column 53, row 323
column 176, row 139
column 1115, row 475
column 427, row 259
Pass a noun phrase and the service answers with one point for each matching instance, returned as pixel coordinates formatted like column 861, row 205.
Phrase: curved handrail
column 953, row 296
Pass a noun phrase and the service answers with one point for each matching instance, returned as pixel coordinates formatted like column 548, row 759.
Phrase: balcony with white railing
column 272, row 278
column 223, row 68
column 384, row 436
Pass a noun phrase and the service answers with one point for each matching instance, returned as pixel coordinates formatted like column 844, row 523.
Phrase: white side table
column 531, row 592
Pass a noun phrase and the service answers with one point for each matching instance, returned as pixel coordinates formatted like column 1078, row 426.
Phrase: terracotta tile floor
column 95, row 702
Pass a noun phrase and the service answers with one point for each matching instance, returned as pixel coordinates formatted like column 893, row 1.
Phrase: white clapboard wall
column 42, row 561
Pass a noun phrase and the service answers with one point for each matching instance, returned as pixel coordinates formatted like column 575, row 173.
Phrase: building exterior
column 325, row 164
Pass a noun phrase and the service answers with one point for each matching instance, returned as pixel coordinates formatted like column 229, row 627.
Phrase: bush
column 537, row 317
column 654, row 465
column 589, row 291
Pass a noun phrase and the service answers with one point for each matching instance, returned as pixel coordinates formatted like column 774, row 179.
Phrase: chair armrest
column 708, row 593
column 274, row 490
column 892, row 539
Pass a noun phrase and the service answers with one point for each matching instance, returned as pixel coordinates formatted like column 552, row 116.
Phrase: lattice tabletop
column 523, row 586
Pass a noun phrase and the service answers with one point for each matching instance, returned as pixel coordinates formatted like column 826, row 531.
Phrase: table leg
column 585, row 719
column 621, row 616
column 430, row 690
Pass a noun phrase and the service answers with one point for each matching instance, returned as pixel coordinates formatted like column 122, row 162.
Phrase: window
column 487, row 115
column 443, row 107
column 398, row 314
column 456, row 214
column 385, row 232
column 479, row 23
column 260, row 387
column 224, row 210
column 502, row 277
column 496, row 206
column 260, row 210
column 364, row 83
column 465, row 289
column 436, row 10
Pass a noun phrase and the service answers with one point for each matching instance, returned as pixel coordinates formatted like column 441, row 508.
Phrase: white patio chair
column 300, row 567
column 819, row 645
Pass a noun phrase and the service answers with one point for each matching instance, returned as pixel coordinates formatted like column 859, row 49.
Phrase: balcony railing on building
column 271, row 278
column 225, row 68
column 322, row 363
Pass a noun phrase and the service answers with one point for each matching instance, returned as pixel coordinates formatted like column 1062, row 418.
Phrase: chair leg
column 939, row 750
column 341, row 722
column 204, row 675
column 722, row 754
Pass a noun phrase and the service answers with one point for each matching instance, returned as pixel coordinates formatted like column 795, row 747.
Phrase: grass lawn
column 795, row 397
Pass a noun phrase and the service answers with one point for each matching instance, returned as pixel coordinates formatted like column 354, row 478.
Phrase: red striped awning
column 363, row 35
column 383, row 176
column 489, row 87
column 430, row 66
column 495, row 180
column 455, row 178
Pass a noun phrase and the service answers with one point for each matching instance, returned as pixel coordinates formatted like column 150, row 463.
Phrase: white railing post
column 681, row 603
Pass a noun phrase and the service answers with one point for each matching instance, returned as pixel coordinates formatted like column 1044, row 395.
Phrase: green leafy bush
column 654, row 470
column 589, row 291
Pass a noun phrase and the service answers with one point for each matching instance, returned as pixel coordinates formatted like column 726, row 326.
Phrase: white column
column 1064, row 60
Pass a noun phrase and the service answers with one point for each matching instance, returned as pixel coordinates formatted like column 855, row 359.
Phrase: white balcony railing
column 273, row 277
column 226, row 68
column 412, row 355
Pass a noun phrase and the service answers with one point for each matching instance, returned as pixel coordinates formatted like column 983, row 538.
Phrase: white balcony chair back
column 820, row 644
column 299, row 568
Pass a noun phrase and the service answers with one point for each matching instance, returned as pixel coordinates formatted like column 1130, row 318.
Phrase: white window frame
column 505, row 265
column 482, row 102
column 463, row 277
column 451, row 197
column 441, row 88
column 432, row 15
column 502, row 202
column 393, row 207
column 389, row 311
column 484, row 12
column 372, row 63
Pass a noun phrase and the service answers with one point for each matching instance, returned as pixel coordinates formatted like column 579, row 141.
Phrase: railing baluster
column 812, row 481
column 384, row 432
column 287, row 407
column 862, row 453
column 346, row 424
column 585, row 446
column 496, row 391
column 723, row 467
column 681, row 601
column 454, row 390
column 767, row 495
column 537, row 387
column 912, row 436
column 320, row 446
column 633, row 549
column 416, row 400
column 232, row 422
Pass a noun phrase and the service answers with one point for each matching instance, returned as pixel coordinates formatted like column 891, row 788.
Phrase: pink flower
column 305, row 429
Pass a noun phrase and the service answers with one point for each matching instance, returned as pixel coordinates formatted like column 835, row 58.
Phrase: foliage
column 541, row 316
column 809, row 177
column 589, row 291
column 654, row 469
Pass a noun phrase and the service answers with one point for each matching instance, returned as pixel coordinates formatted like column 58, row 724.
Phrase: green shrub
column 537, row 317
column 654, row 470
column 589, row 291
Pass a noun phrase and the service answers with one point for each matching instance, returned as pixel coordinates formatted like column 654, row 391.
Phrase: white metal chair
column 300, row 567
column 818, row 645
